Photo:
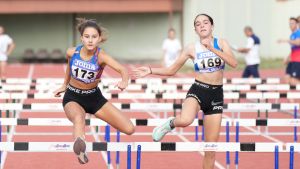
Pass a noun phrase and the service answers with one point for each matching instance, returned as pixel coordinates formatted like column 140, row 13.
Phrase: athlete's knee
column 210, row 155
column 129, row 130
column 183, row 121
column 78, row 120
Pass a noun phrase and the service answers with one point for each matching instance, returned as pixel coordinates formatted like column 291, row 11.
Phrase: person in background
column 7, row 46
column 171, row 48
column 251, row 52
column 293, row 59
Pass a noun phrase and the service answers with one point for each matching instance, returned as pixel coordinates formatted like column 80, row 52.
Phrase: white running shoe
column 160, row 131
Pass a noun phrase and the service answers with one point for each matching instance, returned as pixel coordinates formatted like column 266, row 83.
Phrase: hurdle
column 157, row 87
column 147, row 146
column 172, row 80
column 177, row 95
column 239, row 107
column 146, row 122
column 156, row 147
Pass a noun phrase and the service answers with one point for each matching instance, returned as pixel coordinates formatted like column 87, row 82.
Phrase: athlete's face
column 203, row 27
column 293, row 25
column 90, row 38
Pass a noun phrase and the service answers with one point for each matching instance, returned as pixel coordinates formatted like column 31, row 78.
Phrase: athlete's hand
column 140, row 72
column 60, row 90
column 122, row 85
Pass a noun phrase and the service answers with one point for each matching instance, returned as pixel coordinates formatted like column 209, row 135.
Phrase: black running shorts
column 90, row 100
column 209, row 97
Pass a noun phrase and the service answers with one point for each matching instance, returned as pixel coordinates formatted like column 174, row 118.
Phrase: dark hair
column 85, row 23
column 171, row 30
column 294, row 19
column 209, row 18
column 248, row 28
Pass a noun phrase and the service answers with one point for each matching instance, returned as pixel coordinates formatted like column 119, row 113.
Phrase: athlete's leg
column 294, row 81
column 113, row 116
column 2, row 69
column 190, row 108
column 255, row 72
column 212, row 125
column 246, row 72
column 76, row 114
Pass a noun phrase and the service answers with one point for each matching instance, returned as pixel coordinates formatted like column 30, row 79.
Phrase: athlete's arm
column 243, row 50
column 165, row 71
column 108, row 60
column 226, row 54
column 67, row 78
column 295, row 42
column 11, row 47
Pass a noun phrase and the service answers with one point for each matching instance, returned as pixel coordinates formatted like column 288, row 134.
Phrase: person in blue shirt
column 293, row 59
column 86, row 63
column 209, row 55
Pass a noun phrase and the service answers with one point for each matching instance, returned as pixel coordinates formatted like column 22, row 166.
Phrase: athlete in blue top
column 209, row 55
column 82, row 95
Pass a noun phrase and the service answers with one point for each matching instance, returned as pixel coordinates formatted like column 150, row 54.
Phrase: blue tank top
column 207, row 61
column 86, row 71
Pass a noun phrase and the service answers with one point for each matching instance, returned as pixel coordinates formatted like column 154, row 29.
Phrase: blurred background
column 136, row 28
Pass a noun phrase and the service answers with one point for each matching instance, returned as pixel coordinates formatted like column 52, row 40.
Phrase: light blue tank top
column 206, row 61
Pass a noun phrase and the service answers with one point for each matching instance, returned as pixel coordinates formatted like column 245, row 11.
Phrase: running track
column 149, row 160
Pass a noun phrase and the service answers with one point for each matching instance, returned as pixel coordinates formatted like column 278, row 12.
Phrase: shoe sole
column 79, row 149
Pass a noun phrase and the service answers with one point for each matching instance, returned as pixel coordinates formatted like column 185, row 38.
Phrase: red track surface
column 157, row 160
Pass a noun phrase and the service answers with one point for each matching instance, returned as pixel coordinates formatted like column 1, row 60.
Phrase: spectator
column 251, row 52
column 293, row 60
column 171, row 48
column 6, row 47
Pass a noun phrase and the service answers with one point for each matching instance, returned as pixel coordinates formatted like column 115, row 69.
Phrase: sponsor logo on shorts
column 213, row 103
column 218, row 108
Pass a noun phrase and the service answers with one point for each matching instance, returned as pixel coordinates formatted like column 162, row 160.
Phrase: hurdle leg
column 129, row 157
column 138, row 157
column 276, row 158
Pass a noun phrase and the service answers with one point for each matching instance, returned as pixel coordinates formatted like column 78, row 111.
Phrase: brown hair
column 209, row 18
column 85, row 23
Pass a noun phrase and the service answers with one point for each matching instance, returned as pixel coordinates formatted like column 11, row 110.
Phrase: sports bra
column 87, row 71
column 207, row 61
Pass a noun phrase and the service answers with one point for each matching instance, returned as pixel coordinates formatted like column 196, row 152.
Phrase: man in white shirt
column 6, row 47
column 251, row 52
column 171, row 48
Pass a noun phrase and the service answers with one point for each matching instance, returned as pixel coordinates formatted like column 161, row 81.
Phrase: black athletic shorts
column 293, row 69
column 209, row 97
column 90, row 100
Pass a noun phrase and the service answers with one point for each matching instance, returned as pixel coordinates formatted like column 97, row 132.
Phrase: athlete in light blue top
column 209, row 55
column 82, row 95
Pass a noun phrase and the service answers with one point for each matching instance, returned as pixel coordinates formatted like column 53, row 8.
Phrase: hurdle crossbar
column 240, row 107
column 145, row 122
column 146, row 146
